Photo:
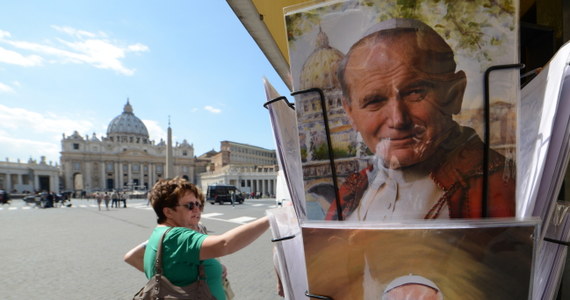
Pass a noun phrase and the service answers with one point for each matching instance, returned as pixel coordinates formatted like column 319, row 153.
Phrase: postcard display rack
column 335, row 241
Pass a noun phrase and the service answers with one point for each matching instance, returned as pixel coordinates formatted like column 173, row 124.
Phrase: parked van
column 223, row 193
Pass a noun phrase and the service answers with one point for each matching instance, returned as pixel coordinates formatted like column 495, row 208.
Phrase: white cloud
column 4, row 34
column 74, row 32
column 23, row 149
column 212, row 109
column 25, row 133
column 4, row 88
column 15, row 58
column 42, row 49
column 154, row 131
column 85, row 47
column 101, row 54
column 34, row 122
column 137, row 48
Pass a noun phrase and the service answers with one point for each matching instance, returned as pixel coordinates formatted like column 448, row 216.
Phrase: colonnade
column 261, row 187
column 116, row 175
column 266, row 187
column 20, row 180
column 108, row 175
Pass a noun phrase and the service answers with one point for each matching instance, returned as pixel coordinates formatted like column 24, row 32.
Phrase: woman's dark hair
column 166, row 192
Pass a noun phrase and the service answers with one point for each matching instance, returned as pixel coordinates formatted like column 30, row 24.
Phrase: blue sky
column 71, row 65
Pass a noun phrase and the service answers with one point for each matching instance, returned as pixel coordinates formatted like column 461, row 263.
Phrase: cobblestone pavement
column 76, row 253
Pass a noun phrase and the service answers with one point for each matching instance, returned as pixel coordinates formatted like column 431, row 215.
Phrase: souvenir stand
column 356, row 228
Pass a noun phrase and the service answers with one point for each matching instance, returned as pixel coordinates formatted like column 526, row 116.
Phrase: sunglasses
column 191, row 205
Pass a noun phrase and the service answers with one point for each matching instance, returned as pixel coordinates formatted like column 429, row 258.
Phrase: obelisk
column 169, row 158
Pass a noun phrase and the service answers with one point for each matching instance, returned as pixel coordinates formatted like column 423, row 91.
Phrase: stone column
column 88, row 182
column 191, row 172
column 69, row 184
column 103, row 181
column 118, row 175
column 36, row 182
column 130, row 173
column 274, row 186
column 139, row 176
column 122, row 177
column 151, row 180
column 54, row 183
column 265, row 187
column 8, row 183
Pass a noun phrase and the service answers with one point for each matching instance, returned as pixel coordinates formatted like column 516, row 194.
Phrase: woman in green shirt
column 178, row 203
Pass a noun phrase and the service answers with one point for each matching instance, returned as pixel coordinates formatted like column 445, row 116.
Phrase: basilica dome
column 127, row 124
column 319, row 70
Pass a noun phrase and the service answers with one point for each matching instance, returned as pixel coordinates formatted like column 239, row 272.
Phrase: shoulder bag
column 228, row 289
column 159, row 287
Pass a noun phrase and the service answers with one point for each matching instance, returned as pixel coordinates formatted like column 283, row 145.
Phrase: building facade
column 250, row 168
column 349, row 151
column 33, row 176
column 125, row 159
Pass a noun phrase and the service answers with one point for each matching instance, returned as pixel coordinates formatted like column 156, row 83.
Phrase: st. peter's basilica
column 124, row 159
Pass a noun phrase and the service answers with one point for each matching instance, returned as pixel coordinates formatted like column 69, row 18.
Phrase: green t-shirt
column 180, row 258
column 213, row 269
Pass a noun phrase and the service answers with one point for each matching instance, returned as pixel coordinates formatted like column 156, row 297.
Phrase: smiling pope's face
column 401, row 101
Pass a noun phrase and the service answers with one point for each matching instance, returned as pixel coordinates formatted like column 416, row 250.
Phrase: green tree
column 464, row 24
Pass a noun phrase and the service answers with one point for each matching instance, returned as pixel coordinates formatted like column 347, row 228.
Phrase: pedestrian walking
column 99, row 197
column 49, row 200
column 107, row 198
column 115, row 199
column 123, row 198
column 4, row 197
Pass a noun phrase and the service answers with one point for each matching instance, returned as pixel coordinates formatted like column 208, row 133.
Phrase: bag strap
column 158, row 261
column 201, row 272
